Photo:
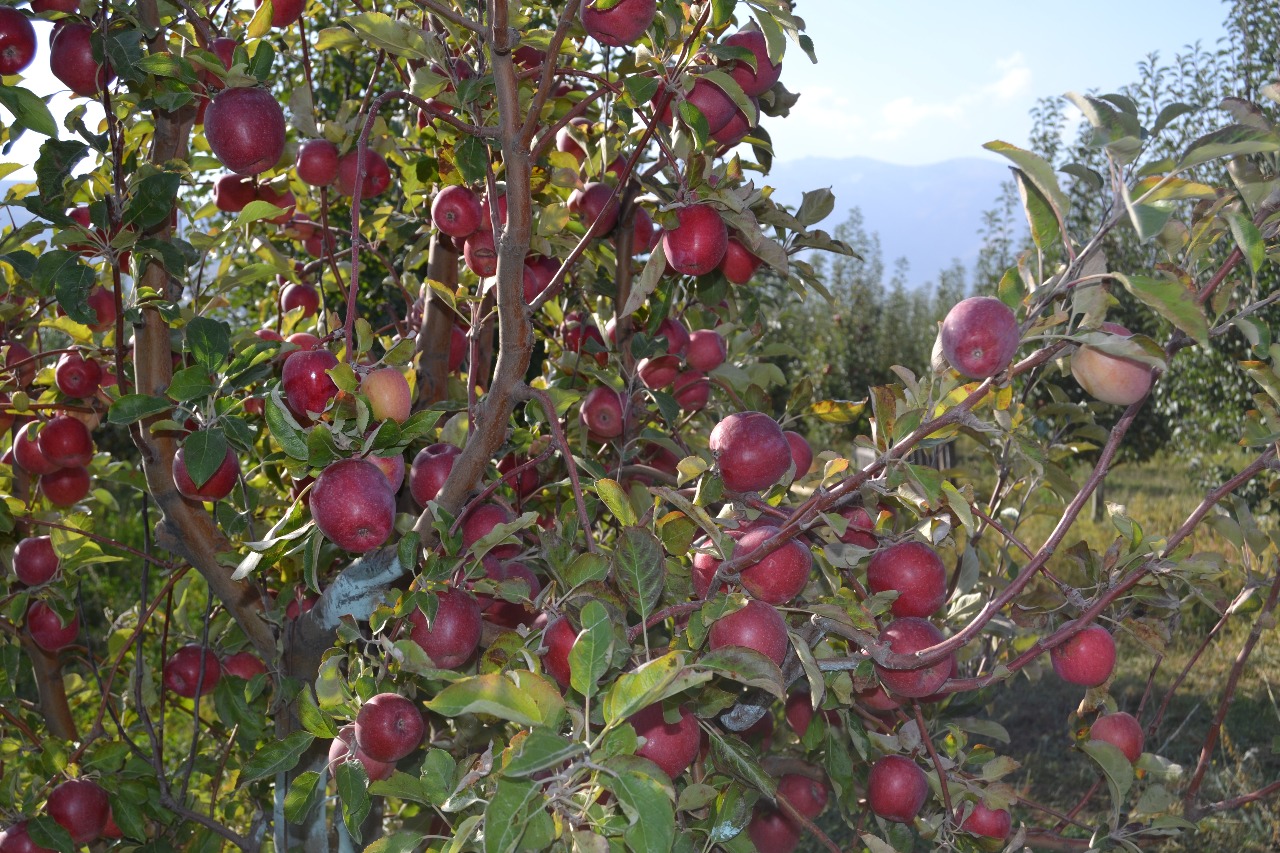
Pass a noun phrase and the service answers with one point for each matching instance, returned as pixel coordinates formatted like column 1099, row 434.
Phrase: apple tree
column 391, row 463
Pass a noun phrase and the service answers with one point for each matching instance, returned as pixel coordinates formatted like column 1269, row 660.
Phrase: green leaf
column 516, row 811
column 472, row 159
column 399, row 842
column 641, row 688
column 319, row 723
column 647, row 283
column 1043, row 221
column 394, row 36
column 1229, row 141
column 519, row 696
column 276, row 757
column 615, row 498
column 61, row 273
column 1038, row 172
column 1172, row 300
column 816, row 206
column 56, row 161
column 646, row 802
column 402, row 786
column 284, row 429
column 255, row 211
column 203, row 452
column 745, row 666
column 1248, row 240
column 1116, row 768
column 353, row 793
column 540, row 750
column 28, row 110
column 639, row 568
column 593, row 649
column 733, row 759
column 152, row 200
column 132, row 408
column 190, row 383
column 301, row 796
column 260, row 65
column 209, row 342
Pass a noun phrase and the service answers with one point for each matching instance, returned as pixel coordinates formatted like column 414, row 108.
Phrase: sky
column 931, row 80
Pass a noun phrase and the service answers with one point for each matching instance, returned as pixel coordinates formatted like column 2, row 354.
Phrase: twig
column 557, row 433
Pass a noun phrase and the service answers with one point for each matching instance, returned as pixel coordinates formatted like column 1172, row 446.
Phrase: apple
column 479, row 521
column 801, row 452
column 225, row 50
column 17, row 41
column 66, row 442
column 782, row 574
column 1122, row 731
column 389, row 727
column 104, row 307
column 300, row 603
column 698, row 242
column 1087, row 658
column 303, row 340
column 34, row 560
column 979, row 336
column 307, row 387
column 526, row 482
column 914, row 570
column 245, row 129
column 430, row 469
column 1111, row 378
column 353, row 505
column 231, row 193
column 565, row 141
column 692, row 390
column 81, row 807
column 621, row 24
column 304, row 296
column 392, row 467
column 597, row 205
column 77, row 376
column 896, row 789
column 282, row 199
column 908, row 635
column 644, row 236
column 456, row 211
column 47, row 628
column 671, row 746
column 751, row 451
column 27, row 453
column 344, row 748
column 738, row 264
column 487, row 210
column 69, row 7
column 71, row 60
column 283, row 12
column 457, row 349
column 244, row 665
column 377, row 174
column 799, row 713
column 452, row 637
column 66, row 486
column 480, row 253
column 183, row 675
column 860, row 527
column 715, row 105
column 16, row 353
column 735, row 130
column 539, row 272
column 658, row 372
column 509, row 614
column 388, row 393
column 601, row 413
column 317, row 163
column 993, row 823
column 706, row 350
column 676, row 334
column 558, row 639
column 16, row 839
column 219, row 484
column 754, row 81
column 757, row 626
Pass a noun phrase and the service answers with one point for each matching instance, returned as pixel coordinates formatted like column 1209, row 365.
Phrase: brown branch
column 675, row 610
column 567, row 16
column 1243, row 800
column 933, row 756
column 557, row 433
column 453, row 16
column 436, row 328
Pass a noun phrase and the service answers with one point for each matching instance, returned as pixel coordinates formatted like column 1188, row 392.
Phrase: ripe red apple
column 66, row 442
column 993, row 823
column 565, row 141
column 304, row 341
column 692, row 390
column 353, row 505
column 66, row 486
column 245, row 129
column 103, row 305
column 799, row 713
column 15, row 839
column 231, row 193
column 620, row 25
column 781, row 575
column 596, row 205
column 1087, row 658
column 80, row 807
column 509, row 614
column 317, row 162
column 576, row 330
column 34, row 560
column 392, row 467
column 300, row 603
column 1109, row 378
column 388, row 393
column 307, row 387
column 304, row 296
column 77, row 376
column 706, row 351
column 16, row 353
column 69, row 7
column 243, row 665
column 859, row 529
column 676, row 334
column 17, row 41
column 979, row 336
column 47, row 629
column 698, row 242
column 658, row 372
column 714, row 103
column 905, row 636
column 225, row 50
column 430, row 469
column 389, row 727
column 479, row 522
column 182, row 671
column 671, row 746
column 71, row 60
column 27, row 452
column 896, row 788
column 757, row 81
column 526, row 482
column 344, row 747
column 1122, row 731
column 539, row 272
column 914, row 570
column 736, row 129
column 751, row 451
column 757, row 626
column 377, row 174
column 601, row 413
column 486, row 212
column 452, row 637
column 480, row 253
column 801, row 452
column 283, row 12
column 644, row 236
column 558, row 638
column 217, row 487
column 456, row 211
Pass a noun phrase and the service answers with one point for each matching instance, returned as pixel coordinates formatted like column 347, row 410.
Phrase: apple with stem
column 896, row 789
column 81, row 807
column 71, row 60
column 35, row 562
column 388, row 727
column 750, row 450
column 353, row 505
column 915, row 572
column 192, row 671
column 245, row 128
column 1086, row 658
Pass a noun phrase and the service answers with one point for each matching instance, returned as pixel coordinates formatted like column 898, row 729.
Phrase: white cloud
column 902, row 114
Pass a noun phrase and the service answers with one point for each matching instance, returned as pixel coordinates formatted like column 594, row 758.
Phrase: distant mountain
column 926, row 214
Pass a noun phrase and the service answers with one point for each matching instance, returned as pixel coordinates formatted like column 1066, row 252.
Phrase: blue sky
column 924, row 81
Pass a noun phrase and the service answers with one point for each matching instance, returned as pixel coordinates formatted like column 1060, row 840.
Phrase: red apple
column 27, row 453
column 456, row 211
column 993, row 823
column 307, row 387
column 896, row 789
column 103, row 304
column 601, row 413
column 217, row 487
column 231, row 193
column 15, row 839
column 692, row 390
column 1109, row 378
column 80, row 807
column 452, row 637
column 1087, row 658
column 377, row 174
column 34, row 560
column 479, row 521
column 243, row 665
column 486, row 212
column 698, row 242
column 66, row 442
column 16, row 353
column 17, row 41
column 801, row 452
column 509, row 614
column 429, row 471
column 736, row 129
column 47, row 628
column 658, row 372
column 353, row 505
column 77, row 376
column 716, row 107
column 392, row 467
column 751, row 451
column 914, row 570
column 558, row 638
column 620, row 25
column 344, row 748
column 671, row 746
column 457, row 349
column 706, row 350
column 565, row 141
column 526, row 482
column 389, row 727
column 225, row 50
column 757, row 626
column 480, row 253
column 860, row 527
column 317, row 162
column 71, row 60
column 283, row 12
column 300, row 296
column 738, row 264
column 979, row 336
column 596, row 204
column 576, row 330
column 908, row 635
column 245, row 129
column 1122, row 731
column 782, row 574
column 66, row 486
column 754, row 81
column 388, row 393
column 183, row 675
